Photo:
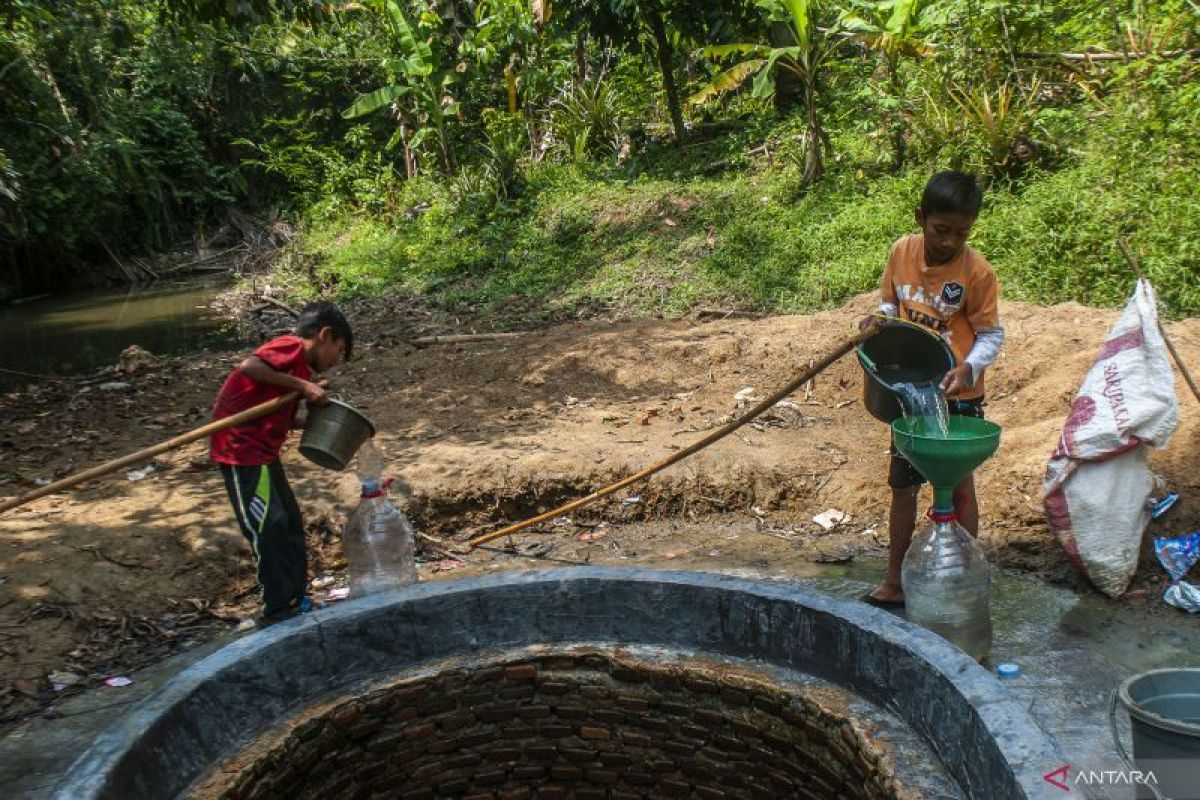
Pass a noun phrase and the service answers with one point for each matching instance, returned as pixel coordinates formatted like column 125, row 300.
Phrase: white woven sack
column 1097, row 481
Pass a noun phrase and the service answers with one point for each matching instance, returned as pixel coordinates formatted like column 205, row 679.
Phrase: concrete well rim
column 1021, row 747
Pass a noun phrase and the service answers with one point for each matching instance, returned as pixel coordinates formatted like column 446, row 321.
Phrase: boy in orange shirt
column 935, row 280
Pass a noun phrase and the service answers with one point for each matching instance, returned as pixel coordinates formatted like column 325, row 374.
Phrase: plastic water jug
column 378, row 541
column 946, row 580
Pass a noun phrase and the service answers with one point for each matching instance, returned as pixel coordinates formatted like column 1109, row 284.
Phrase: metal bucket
column 1164, row 715
column 333, row 434
column 900, row 352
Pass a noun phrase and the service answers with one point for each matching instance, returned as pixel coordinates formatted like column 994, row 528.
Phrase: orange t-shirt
column 955, row 299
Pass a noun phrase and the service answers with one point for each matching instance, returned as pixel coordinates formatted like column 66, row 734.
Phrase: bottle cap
column 1008, row 670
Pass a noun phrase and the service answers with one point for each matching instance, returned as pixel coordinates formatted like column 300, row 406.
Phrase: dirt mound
column 122, row 571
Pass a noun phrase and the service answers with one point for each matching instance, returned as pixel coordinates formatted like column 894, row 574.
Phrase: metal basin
column 333, row 434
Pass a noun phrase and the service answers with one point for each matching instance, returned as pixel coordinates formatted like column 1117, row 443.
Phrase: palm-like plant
column 890, row 28
column 587, row 119
column 805, row 57
column 1000, row 119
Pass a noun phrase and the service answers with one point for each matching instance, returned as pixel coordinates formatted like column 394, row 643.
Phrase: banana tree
column 419, row 94
column 890, row 28
column 804, row 57
column 506, row 31
column 661, row 28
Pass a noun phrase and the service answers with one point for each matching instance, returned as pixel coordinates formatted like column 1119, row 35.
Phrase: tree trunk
column 581, row 65
column 666, row 63
column 899, row 129
column 788, row 87
column 410, row 166
column 814, row 168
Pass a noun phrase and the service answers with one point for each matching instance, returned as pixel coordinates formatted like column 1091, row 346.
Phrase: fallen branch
column 102, row 556
column 441, row 546
column 726, row 313
column 20, row 301
column 279, row 304
column 462, row 338
column 144, row 267
column 130, row 274
column 1103, row 56
column 202, row 264
column 30, row 374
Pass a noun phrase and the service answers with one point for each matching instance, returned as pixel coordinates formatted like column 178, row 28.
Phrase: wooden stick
column 1187, row 376
column 804, row 377
column 727, row 313
column 462, row 338
column 145, row 268
column 130, row 274
column 141, row 455
column 1106, row 56
column 266, row 298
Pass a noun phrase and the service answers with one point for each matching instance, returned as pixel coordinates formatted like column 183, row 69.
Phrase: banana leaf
column 737, row 49
column 728, row 80
column 418, row 56
column 373, row 101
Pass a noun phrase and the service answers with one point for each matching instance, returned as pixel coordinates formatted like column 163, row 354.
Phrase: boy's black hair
column 315, row 316
column 952, row 193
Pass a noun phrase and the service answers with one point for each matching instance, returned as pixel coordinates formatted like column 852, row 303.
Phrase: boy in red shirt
column 934, row 279
column 248, row 454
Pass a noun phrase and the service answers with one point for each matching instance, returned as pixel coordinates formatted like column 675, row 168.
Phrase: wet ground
column 1072, row 650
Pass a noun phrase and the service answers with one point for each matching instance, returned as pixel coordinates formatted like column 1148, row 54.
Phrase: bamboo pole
column 804, row 377
column 1187, row 376
column 141, row 455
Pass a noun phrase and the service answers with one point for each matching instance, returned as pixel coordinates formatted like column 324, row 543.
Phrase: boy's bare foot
column 885, row 596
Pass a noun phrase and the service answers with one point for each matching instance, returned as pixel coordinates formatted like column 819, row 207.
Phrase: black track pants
column 269, row 517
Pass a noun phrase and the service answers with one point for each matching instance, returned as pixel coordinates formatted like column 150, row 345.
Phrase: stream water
column 79, row 333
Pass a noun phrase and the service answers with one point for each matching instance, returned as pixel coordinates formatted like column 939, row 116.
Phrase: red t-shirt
column 258, row 441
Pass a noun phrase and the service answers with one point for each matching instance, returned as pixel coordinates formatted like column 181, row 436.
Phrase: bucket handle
column 1116, row 737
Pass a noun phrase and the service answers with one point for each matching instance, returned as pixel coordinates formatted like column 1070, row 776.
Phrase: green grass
column 664, row 243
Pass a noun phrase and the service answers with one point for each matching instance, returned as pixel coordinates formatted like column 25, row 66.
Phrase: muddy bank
column 121, row 572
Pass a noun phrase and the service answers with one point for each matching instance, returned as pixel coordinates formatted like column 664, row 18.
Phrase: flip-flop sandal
column 277, row 617
column 308, row 604
column 890, row 605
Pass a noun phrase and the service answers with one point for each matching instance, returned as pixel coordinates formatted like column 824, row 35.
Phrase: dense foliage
column 649, row 154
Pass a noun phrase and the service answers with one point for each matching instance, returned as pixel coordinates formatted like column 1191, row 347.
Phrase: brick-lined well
column 494, row 707
column 587, row 726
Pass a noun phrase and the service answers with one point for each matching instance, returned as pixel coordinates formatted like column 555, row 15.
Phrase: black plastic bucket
column 900, row 352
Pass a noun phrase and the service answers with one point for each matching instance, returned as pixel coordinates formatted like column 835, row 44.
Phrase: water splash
column 925, row 404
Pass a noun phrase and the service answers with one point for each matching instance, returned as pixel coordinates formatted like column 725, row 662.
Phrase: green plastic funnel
column 944, row 462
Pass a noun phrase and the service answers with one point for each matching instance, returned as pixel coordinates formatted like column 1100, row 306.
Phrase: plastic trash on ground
column 828, row 520
column 1160, row 506
column 1177, row 555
